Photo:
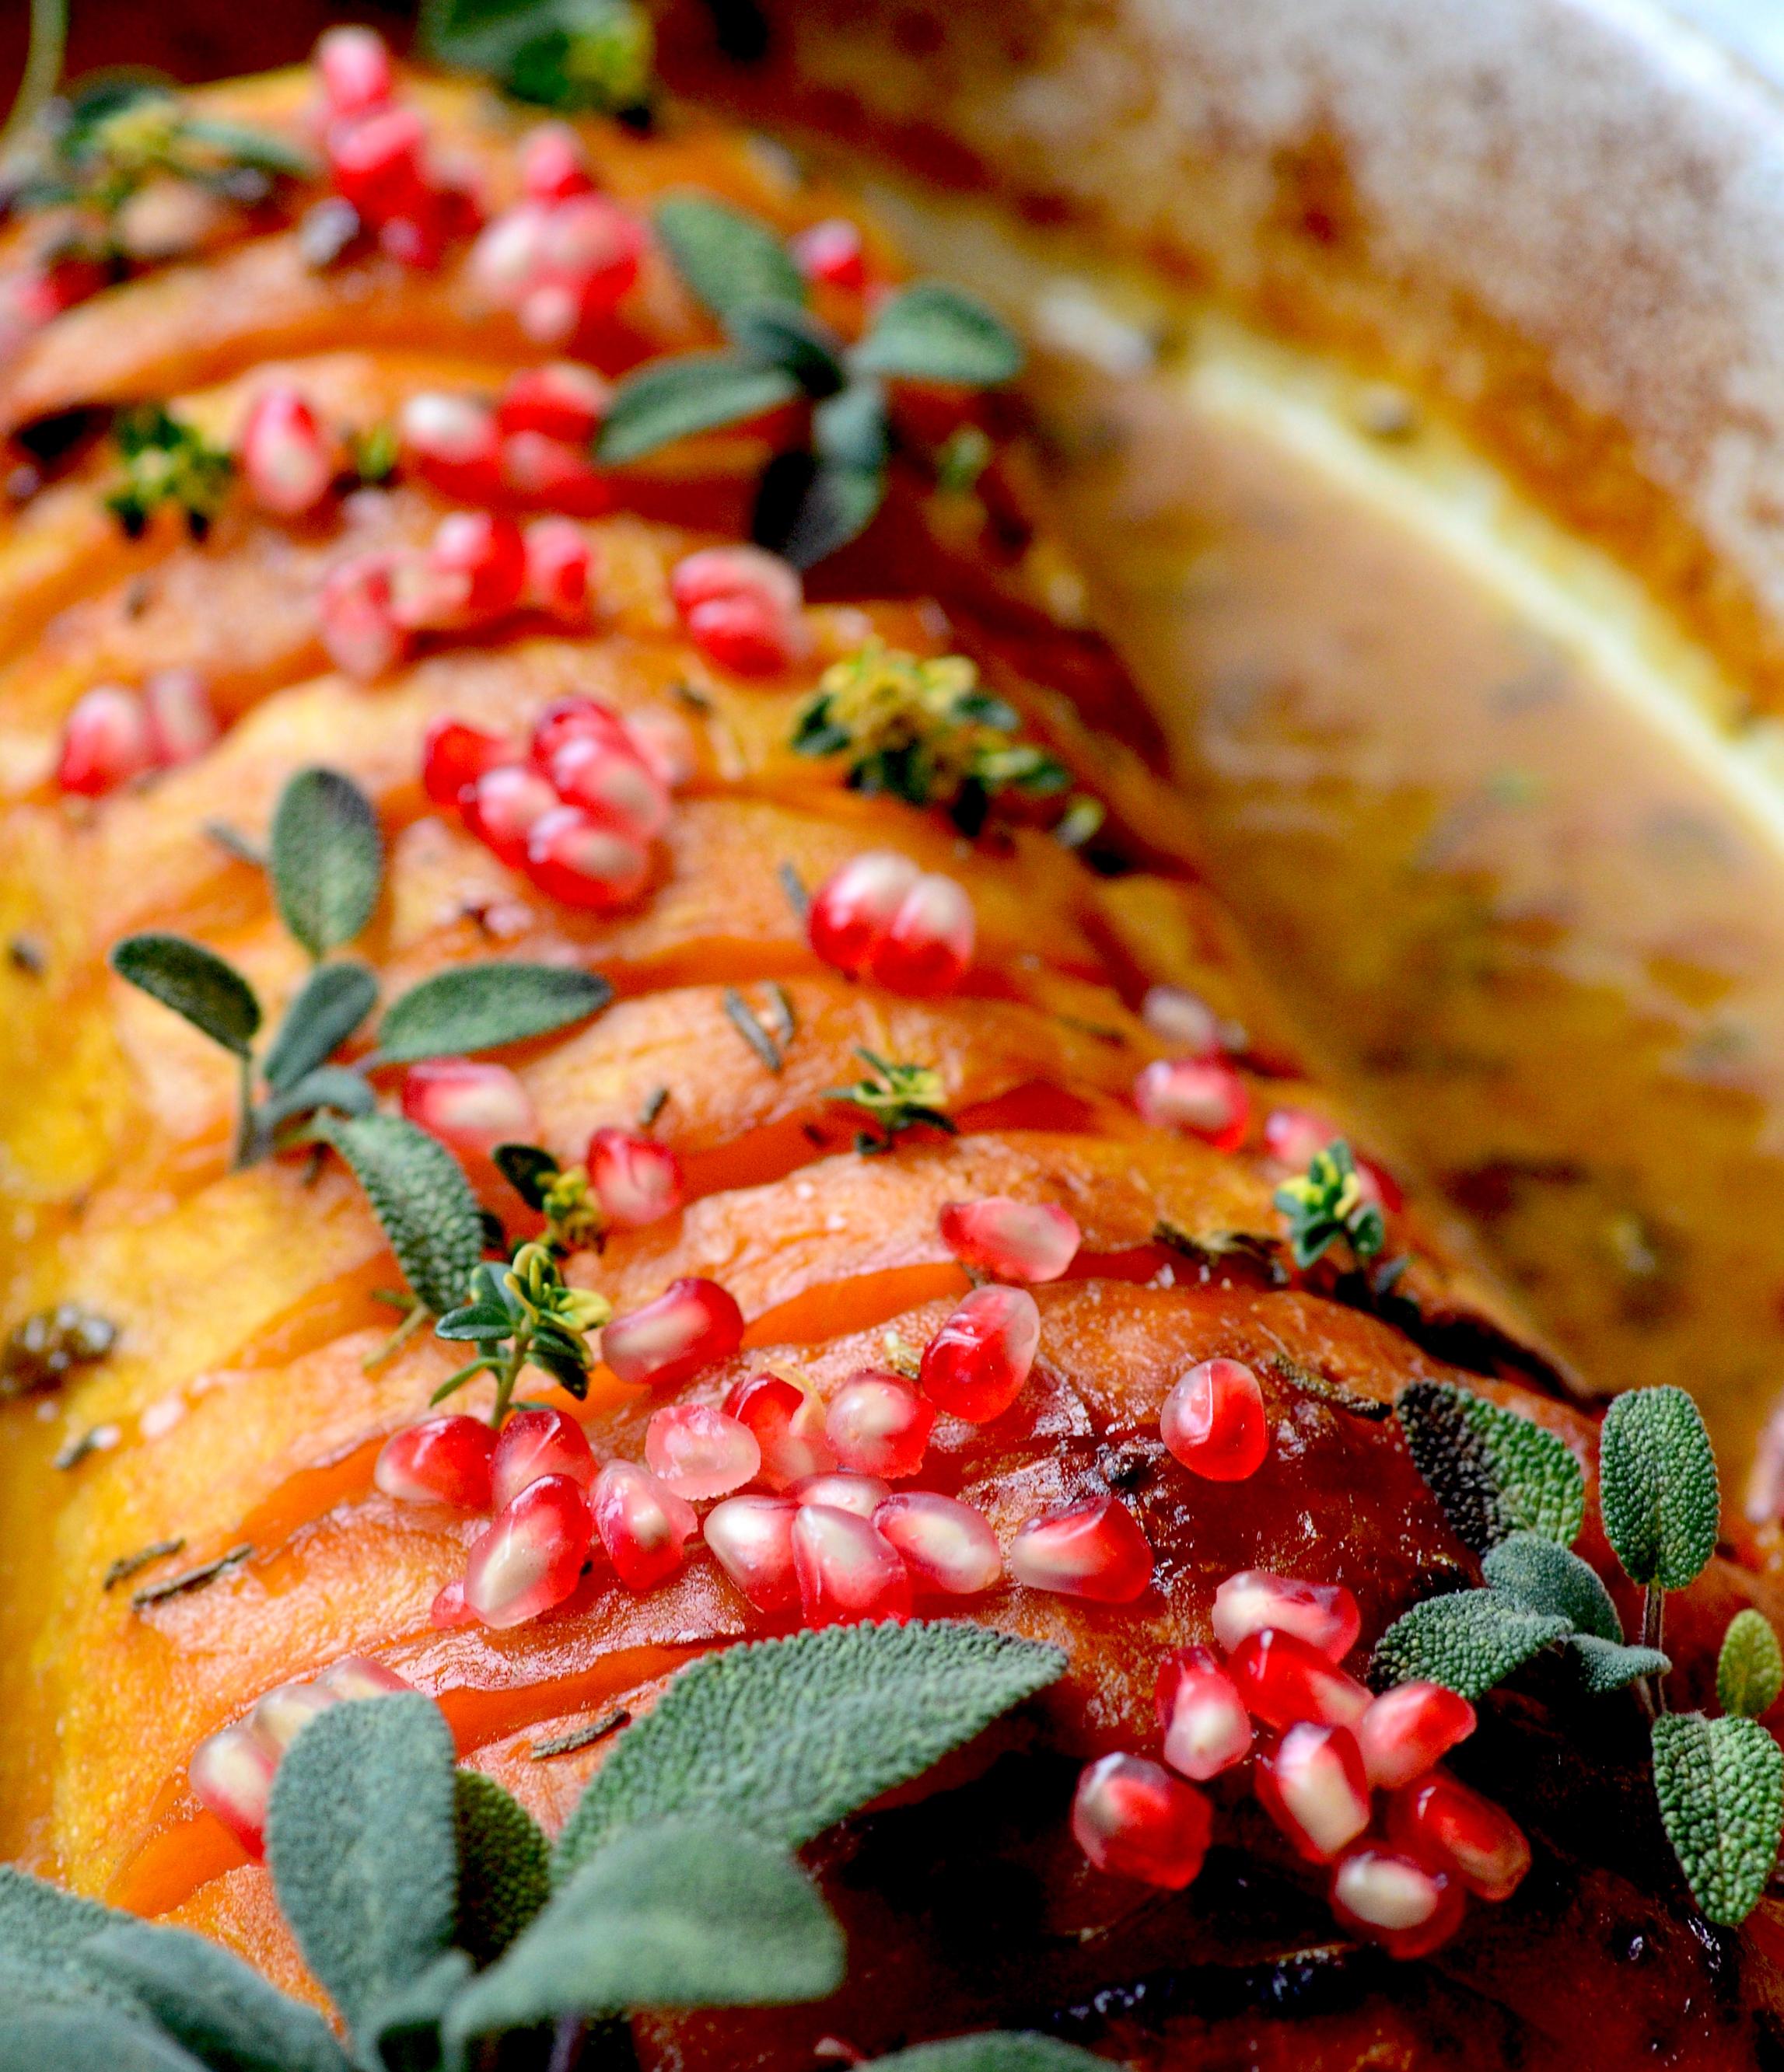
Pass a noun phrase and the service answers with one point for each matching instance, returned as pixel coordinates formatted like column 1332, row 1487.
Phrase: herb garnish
column 166, row 461
column 127, row 1565
column 596, row 55
column 742, row 1018
column 190, row 1579
column 38, row 1353
column 521, row 1313
column 897, row 1097
column 560, row 1193
column 1326, row 1205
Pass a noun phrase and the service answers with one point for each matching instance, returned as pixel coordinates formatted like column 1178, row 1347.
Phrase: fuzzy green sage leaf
column 331, row 1004
column 1609, row 1665
column 727, row 257
column 504, row 1866
column 481, row 1007
column 326, row 854
column 86, row 2038
column 932, row 332
column 1493, row 1472
column 993, row 2050
column 419, row 1194
column 1749, row 1671
column 1468, row 1641
column 1720, row 1786
column 194, row 982
column 667, row 399
column 1658, row 1486
column 1544, row 1577
column 779, row 334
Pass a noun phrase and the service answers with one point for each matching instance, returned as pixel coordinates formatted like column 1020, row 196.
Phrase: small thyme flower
column 897, row 1097
column 1326, row 1204
column 166, row 462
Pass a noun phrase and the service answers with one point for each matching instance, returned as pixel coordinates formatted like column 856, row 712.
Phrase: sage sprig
column 815, row 500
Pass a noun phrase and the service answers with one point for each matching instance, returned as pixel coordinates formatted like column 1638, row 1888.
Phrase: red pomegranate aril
column 1182, row 1019
column 928, row 947
column 859, row 1495
column 441, row 1460
column 636, row 1180
column 853, row 908
column 1284, row 1681
column 553, row 165
column 877, row 1424
column 231, row 1773
column 1325, row 1615
column 1092, row 1549
column 1031, row 1241
column 563, row 400
column 531, row 1556
column 554, row 475
column 693, row 1324
column 469, row 1105
column 644, row 1526
column 574, row 719
column 1134, row 1819
column 789, row 1423
column 571, row 857
column 1439, row 1820
column 975, row 1365
column 534, row 1444
column 613, row 785
column 475, row 566
column 377, row 164
column 661, row 738
column 507, row 256
column 947, row 1546
column 453, row 756
column 742, row 634
column 560, row 570
column 355, row 617
column 1203, row 1096
column 1405, row 1905
column 1214, row 1421
column 1203, row 1718
column 357, row 72
column 741, row 608
column 503, row 808
column 751, row 1540
column 183, row 722
column 452, row 442
column 277, row 1717
column 361, row 1676
column 105, row 742
column 449, row 1609
column 1410, row 1730
column 588, row 254
column 829, row 253
column 698, row 1452
column 1312, row 1785
column 288, row 462
column 845, row 1569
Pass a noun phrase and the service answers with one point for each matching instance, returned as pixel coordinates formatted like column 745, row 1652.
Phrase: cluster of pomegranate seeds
column 530, row 445
column 1204, row 1096
column 879, row 917
column 830, row 254
column 1032, row 1241
column 231, row 1771
column 693, row 1324
column 877, row 1424
column 743, row 608
column 289, row 458
column 564, row 256
column 975, row 1365
column 442, row 1460
column 1093, row 1549
column 1214, row 1421
column 1292, row 1135
column 115, row 734
column 1135, row 1819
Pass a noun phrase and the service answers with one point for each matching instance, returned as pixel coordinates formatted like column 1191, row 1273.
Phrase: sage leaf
column 326, row 855
column 1609, row 1665
column 566, row 54
column 1467, row 1641
column 217, row 2006
column 783, row 1737
column 528, row 1169
column 1720, row 1786
column 504, row 1866
column 419, row 1194
column 851, row 430
column 1658, row 1486
column 481, row 1007
column 1544, row 1577
column 361, row 1840
column 834, row 506
column 335, row 1086
column 195, row 983
column 727, row 257
column 44, row 1936
column 403, row 2029
column 1749, row 1671
column 778, row 335
column 932, row 332
column 695, row 392
column 1493, row 1472
column 669, row 1914
column 93, row 2038
column 993, row 2050
column 332, row 1003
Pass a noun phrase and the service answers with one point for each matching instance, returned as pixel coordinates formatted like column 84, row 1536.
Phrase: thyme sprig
column 572, row 55
column 165, row 462
column 897, row 1097
column 1326, row 1205
column 561, row 1194
column 522, row 1313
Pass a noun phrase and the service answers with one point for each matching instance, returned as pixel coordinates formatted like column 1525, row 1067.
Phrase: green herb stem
column 1653, row 1688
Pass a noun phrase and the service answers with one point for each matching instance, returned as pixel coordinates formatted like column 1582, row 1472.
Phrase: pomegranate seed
column 563, row 402
column 287, row 461
column 859, row 1495
column 830, row 252
column 441, row 1460
column 1283, row 1681
column 449, row 1607
column 1030, row 1241
column 531, row 1556
column 1410, row 1730
column 1395, row 1901
column 470, row 1106
column 789, row 1423
column 946, row 1545
column 451, row 442
column 751, row 1540
column 361, row 1676
column 572, row 858
column 1312, row 1785
column 453, row 756
column 471, row 574
column 554, row 472
column 560, row 570
column 278, row 1716
column 879, row 1425
column 698, row 1452
column 741, row 607
column 358, row 627
column 1439, row 1820
column 613, row 784
column 574, row 719
column 506, row 258
column 503, row 806
column 1203, row 1096
column 644, row 1526
column 589, row 252
column 377, row 164
column 928, row 947
column 1292, row 1135
column 636, row 1180
column 1323, row 1614
column 693, row 1324
column 105, row 742
column 1203, row 1718
column 357, row 72
column 553, row 165
column 847, row 1571
column 536, row 1443
column 661, row 738
column 1182, row 1019
column 975, row 1365
column 182, row 721
column 1134, row 1819
column 1214, row 1421
column 231, row 1774
column 1092, row 1549
column 854, row 907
